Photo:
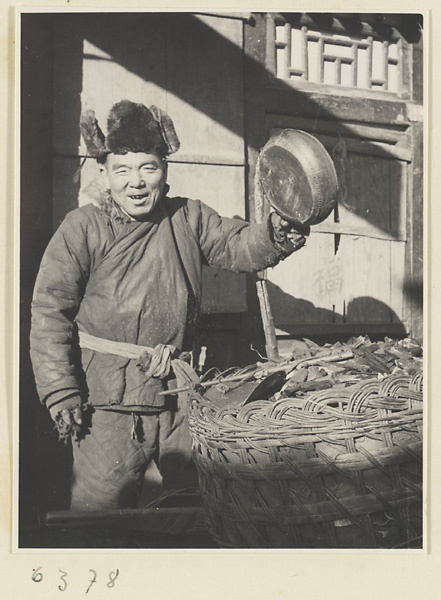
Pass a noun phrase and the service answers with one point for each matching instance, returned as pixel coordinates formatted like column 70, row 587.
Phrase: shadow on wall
column 362, row 313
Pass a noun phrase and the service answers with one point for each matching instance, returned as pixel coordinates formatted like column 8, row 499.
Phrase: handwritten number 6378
column 37, row 577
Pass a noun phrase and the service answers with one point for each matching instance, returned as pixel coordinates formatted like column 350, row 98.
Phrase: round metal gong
column 298, row 177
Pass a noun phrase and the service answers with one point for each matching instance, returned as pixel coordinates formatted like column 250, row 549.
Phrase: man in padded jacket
column 115, row 305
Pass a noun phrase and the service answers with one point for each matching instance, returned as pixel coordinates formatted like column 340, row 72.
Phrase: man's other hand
column 68, row 415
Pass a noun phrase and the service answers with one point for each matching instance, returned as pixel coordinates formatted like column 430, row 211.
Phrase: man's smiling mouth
column 138, row 197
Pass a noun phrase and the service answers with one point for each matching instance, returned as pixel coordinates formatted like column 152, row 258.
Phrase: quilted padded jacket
column 96, row 275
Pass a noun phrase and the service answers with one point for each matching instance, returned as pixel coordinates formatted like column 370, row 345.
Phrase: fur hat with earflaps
column 131, row 127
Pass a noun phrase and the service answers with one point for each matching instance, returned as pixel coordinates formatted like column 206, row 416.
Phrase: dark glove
column 287, row 232
column 68, row 416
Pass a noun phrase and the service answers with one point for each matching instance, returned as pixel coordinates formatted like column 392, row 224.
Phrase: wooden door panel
column 361, row 283
column 371, row 193
column 222, row 291
column 366, row 273
column 302, row 289
column 361, row 273
column 366, row 191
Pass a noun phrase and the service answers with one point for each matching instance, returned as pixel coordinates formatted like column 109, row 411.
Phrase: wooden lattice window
column 364, row 62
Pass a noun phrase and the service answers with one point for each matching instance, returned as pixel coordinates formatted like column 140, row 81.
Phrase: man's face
column 136, row 181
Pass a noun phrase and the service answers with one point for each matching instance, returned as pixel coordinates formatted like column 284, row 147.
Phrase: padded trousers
column 110, row 462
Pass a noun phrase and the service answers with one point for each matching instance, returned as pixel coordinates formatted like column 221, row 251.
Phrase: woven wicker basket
column 339, row 468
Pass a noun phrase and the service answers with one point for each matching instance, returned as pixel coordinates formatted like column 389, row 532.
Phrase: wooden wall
column 361, row 270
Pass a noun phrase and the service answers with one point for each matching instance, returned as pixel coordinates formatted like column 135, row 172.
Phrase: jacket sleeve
column 58, row 291
column 237, row 245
